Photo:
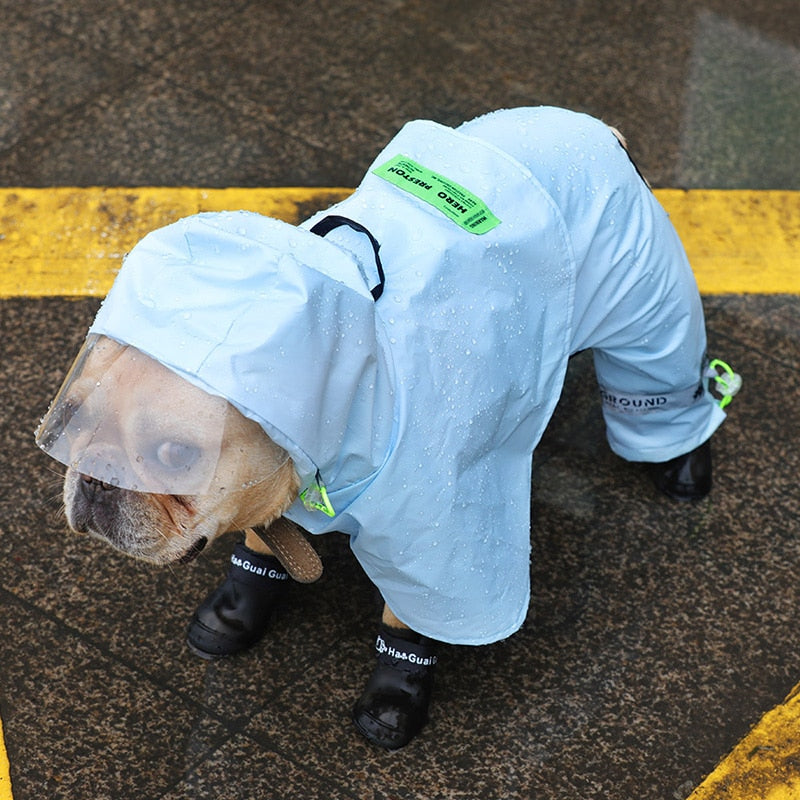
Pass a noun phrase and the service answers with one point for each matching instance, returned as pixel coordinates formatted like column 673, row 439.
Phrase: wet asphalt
column 658, row 632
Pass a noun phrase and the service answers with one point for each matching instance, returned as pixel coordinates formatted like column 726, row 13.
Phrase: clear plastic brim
column 125, row 419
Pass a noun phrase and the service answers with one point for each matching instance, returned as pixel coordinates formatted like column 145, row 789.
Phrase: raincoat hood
column 274, row 319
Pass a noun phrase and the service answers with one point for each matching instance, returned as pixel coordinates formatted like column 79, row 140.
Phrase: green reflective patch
column 454, row 201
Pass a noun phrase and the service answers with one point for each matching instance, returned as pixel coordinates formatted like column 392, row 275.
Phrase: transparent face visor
column 123, row 418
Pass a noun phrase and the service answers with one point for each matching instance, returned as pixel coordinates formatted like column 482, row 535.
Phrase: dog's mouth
column 194, row 551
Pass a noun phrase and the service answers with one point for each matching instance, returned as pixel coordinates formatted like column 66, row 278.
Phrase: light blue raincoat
column 419, row 412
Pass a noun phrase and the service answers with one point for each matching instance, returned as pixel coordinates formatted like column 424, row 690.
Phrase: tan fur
column 391, row 620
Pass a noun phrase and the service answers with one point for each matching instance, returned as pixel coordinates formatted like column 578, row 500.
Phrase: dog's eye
column 177, row 455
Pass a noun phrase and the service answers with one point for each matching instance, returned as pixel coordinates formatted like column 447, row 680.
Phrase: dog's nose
column 91, row 487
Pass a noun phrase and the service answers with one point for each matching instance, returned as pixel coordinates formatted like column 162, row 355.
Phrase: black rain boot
column 394, row 706
column 687, row 477
column 238, row 612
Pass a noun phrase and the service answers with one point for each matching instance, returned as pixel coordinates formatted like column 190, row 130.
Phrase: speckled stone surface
column 658, row 632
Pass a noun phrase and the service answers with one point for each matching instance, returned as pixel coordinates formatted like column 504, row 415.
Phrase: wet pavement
column 658, row 633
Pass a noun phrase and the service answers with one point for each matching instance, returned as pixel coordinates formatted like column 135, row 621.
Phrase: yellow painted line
column 739, row 242
column 765, row 765
column 5, row 775
column 68, row 242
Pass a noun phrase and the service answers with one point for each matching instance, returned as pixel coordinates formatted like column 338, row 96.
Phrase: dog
column 386, row 370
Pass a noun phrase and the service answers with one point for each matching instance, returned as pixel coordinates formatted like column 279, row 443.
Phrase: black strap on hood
column 326, row 225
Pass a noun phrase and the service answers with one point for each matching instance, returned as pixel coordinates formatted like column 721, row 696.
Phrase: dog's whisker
column 56, row 501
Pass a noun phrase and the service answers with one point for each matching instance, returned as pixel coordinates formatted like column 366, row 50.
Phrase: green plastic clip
column 727, row 382
column 315, row 497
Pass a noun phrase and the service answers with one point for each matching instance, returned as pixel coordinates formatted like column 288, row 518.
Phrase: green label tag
column 454, row 201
